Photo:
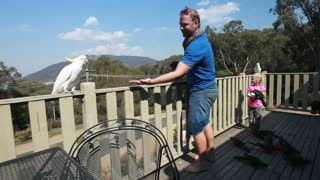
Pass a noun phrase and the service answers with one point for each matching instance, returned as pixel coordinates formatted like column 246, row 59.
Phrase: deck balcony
column 164, row 106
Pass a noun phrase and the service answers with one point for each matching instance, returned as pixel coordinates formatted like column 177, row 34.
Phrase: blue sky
column 38, row 33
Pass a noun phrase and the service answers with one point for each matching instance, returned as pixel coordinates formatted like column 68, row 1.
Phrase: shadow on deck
column 302, row 131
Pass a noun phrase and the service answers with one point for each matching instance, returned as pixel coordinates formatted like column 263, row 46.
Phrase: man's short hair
column 192, row 13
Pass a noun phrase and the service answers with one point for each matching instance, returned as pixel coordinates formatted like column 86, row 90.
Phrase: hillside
column 50, row 73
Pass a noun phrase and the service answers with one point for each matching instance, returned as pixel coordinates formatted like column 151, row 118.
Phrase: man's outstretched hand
column 135, row 81
column 141, row 81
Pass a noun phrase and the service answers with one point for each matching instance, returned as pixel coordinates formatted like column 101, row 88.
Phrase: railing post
column 7, row 150
column 264, row 78
column 89, row 104
column 264, row 82
column 271, row 91
column 243, row 90
column 315, row 91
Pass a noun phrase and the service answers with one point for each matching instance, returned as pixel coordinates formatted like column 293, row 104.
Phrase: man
column 198, row 63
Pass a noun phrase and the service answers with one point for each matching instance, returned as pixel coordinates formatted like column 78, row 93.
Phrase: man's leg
column 201, row 163
column 209, row 134
column 209, row 137
column 201, row 144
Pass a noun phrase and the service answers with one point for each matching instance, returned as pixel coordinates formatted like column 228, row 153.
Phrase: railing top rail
column 79, row 93
column 37, row 98
column 117, row 89
column 293, row 73
column 232, row 77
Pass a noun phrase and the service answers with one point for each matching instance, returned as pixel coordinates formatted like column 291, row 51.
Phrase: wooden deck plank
column 298, row 142
column 261, row 154
column 278, row 165
column 306, row 146
column 316, row 163
column 242, row 170
column 300, row 130
column 232, row 163
column 224, row 155
column 221, row 155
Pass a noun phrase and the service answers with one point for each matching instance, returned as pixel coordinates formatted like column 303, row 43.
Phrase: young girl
column 254, row 102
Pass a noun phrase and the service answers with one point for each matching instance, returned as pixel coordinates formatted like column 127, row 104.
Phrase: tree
column 275, row 54
column 291, row 15
column 32, row 87
column 8, row 77
column 237, row 47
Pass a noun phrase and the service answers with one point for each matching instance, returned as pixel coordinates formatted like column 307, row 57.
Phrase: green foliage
column 238, row 49
column 223, row 73
column 106, row 66
column 300, row 20
column 8, row 75
column 165, row 64
column 32, row 88
column 23, row 135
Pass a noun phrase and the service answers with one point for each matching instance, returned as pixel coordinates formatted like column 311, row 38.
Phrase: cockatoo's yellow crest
column 70, row 60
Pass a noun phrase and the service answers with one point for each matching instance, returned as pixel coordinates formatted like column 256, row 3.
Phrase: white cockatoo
column 68, row 77
column 257, row 68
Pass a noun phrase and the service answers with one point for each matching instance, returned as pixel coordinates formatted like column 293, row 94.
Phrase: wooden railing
column 162, row 104
column 292, row 90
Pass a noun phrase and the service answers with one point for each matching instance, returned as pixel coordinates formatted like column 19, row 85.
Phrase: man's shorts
column 200, row 103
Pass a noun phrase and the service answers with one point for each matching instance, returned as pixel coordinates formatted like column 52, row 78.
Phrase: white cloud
column 89, row 34
column 137, row 30
column 114, row 49
column 91, row 21
column 25, row 28
column 164, row 28
column 203, row 2
column 218, row 14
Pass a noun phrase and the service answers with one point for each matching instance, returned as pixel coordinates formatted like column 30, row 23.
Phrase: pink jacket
column 252, row 102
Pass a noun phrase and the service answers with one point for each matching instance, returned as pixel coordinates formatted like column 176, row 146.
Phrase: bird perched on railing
column 257, row 68
column 68, row 77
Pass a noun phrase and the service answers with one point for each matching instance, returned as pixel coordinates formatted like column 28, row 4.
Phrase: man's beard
column 190, row 38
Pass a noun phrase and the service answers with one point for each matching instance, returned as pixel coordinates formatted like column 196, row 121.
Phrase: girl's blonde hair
column 258, row 77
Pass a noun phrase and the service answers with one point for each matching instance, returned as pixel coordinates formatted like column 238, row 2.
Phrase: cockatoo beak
column 70, row 60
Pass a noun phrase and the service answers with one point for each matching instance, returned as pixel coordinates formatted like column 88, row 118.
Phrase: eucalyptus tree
column 8, row 75
column 237, row 48
column 8, row 78
column 275, row 52
column 301, row 18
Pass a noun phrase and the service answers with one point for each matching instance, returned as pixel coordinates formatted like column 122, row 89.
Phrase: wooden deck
column 301, row 130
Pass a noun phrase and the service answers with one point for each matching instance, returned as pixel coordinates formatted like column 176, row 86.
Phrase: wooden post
column 67, row 122
column 7, row 149
column 39, row 127
column 89, row 106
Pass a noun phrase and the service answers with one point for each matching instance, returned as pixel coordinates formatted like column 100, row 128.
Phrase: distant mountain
column 50, row 73
column 134, row 61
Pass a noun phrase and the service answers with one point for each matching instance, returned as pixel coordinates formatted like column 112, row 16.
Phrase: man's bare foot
column 196, row 157
column 197, row 166
column 210, row 155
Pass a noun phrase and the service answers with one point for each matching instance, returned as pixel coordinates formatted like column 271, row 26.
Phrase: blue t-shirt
column 198, row 55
